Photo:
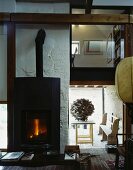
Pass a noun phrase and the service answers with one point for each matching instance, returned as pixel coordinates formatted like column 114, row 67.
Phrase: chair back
column 72, row 149
column 104, row 119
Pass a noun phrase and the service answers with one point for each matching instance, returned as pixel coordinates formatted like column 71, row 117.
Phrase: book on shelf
column 12, row 156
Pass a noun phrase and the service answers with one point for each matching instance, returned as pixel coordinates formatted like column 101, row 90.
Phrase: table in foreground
column 40, row 161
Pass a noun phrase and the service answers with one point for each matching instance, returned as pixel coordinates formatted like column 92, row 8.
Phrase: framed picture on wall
column 93, row 47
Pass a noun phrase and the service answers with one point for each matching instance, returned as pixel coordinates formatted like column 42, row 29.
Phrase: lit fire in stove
column 36, row 125
column 38, row 129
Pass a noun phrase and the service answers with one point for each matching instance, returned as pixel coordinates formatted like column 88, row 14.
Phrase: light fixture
column 124, row 83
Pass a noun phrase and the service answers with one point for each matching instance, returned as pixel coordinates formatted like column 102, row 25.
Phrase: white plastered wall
column 113, row 104
column 3, row 63
column 56, row 52
column 55, row 55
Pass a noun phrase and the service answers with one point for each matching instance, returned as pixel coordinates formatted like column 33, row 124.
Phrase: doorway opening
column 105, row 100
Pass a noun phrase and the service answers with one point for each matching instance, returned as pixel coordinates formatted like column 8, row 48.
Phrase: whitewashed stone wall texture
column 113, row 104
column 56, row 55
column 56, row 52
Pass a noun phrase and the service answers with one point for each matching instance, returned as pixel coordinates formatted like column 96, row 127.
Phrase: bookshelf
column 117, row 37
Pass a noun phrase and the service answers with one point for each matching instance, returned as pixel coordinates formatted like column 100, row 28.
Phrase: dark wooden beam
column 88, row 6
column 37, row 18
column 3, row 102
column 92, row 74
column 87, row 82
column 127, row 41
column 66, row 18
column 11, row 70
column 82, row 6
column 4, row 17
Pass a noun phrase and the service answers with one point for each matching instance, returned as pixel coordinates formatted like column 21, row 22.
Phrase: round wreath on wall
column 81, row 109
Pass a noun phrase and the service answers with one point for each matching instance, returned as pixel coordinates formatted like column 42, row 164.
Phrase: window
column 3, row 126
column 75, row 47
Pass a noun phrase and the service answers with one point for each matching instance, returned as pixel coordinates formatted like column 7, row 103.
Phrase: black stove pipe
column 39, row 52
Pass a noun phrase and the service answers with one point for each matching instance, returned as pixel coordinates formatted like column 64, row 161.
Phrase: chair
column 84, row 160
column 125, row 149
column 72, row 149
column 104, row 121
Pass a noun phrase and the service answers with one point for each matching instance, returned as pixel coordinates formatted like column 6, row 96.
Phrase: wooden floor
column 99, row 158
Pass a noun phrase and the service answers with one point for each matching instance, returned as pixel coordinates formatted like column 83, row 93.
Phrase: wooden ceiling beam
column 92, row 82
column 98, row 19
column 4, row 17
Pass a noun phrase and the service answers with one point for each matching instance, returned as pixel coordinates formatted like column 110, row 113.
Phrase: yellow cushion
column 124, row 79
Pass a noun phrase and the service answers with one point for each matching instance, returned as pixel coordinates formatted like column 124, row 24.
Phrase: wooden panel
column 4, row 17
column 69, row 18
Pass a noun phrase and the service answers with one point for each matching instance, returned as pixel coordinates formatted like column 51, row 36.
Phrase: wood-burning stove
column 36, row 112
column 36, row 119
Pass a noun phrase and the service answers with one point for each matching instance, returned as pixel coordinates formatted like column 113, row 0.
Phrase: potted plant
column 81, row 109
